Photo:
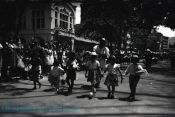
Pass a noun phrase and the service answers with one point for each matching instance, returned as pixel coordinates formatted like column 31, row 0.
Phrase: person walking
column 135, row 70
column 103, row 53
column 93, row 73
column 55, row 74
column 112, row 77
column 35, row 72
column 71, row 67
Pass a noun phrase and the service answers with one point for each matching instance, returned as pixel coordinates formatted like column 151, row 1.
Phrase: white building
column 51, row 20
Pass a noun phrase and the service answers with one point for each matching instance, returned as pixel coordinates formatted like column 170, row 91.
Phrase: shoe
column 112, row 96
column 130, row 99
column 58, row 91
column 91, row 95
column 109, row 95
column 34, row 88
column 39, row 86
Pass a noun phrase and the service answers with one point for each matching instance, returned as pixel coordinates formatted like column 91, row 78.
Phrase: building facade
column 50, row 21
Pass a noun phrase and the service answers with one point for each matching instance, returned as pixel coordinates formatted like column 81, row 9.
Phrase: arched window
column 66, row 19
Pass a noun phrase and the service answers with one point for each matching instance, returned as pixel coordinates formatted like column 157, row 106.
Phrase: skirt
column 111, row 80
column 53, row 79
column 34, row 75
column 93, row 76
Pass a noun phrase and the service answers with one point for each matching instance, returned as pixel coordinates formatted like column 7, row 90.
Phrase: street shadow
column 104, row 98
column 163, row 71
column 86, row 87
column 142, row 94
column 20, row 91
column 49, row 90
column 130, row 114
column 82, row 96
column 127, row 100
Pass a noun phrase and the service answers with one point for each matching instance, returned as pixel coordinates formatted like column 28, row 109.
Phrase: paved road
column 156, row 97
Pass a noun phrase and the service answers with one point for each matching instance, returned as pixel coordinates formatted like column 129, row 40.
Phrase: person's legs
column 72, row 85
column 113, row 90
column 39, row 83
column 136, row 80
column 34, row 83
column 109, row 91
column 133, row 81
column 68, row 83
column 131, row 85
column 4, row 72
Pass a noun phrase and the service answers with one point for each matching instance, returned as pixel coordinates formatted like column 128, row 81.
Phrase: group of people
column 96, row 68
column 39, row 60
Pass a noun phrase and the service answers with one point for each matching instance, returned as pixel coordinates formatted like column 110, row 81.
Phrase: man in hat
column 103, row 53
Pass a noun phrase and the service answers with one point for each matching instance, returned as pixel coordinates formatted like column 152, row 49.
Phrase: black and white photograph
column 87, row 58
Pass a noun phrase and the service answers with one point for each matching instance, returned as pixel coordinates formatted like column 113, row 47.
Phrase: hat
column 93, row 54
column 148, row 50
column 103, row 40
column 135, row 56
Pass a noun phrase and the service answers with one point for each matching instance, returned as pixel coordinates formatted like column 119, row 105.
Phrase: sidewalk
column 155, row 98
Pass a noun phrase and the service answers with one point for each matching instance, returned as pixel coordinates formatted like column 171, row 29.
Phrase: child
column 112, row 78
column 71, row 68
column 54, row 77
column 36, row 72
column 135, row 70
column 94, row 73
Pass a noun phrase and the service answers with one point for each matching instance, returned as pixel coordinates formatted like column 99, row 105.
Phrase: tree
column 11, row 14
column 114, row 19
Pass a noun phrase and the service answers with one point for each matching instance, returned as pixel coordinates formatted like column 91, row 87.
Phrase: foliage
column 114, row 19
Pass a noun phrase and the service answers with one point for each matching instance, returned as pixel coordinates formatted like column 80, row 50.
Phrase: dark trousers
column 133, row 81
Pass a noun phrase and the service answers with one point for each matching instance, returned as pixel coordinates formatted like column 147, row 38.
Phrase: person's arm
column 40, row 71
column 62, row 71
column 99, row 69
column 118, row 68
column 86, row 69
column 107, row 52
column 140, row 71
column 127, row 70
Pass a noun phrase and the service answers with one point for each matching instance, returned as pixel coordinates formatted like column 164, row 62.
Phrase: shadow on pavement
column 145, row 94
column 134, row 114
column 163, row 71
column 126, row 99
column 82, row 96
column 13, row 91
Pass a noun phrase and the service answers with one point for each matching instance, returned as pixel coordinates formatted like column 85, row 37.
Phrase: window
column 23, row 23
column 66, row 19
column 63, row 21
column 56, row 17
column 38, row 20
column 71, row 23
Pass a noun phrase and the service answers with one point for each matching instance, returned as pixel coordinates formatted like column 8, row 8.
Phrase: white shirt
column 132, row 69
column 113, row 69
column 104, row 50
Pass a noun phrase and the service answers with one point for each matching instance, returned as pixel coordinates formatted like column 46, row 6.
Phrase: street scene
column 87, row 58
